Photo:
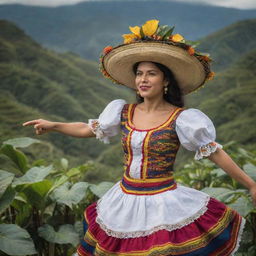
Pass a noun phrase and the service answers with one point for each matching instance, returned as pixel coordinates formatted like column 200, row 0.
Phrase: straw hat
column 156, row 43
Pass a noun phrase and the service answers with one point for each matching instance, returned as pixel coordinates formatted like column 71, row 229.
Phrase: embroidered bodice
column 148, row 153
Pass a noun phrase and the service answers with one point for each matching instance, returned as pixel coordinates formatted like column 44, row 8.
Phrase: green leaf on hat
column 193, row 44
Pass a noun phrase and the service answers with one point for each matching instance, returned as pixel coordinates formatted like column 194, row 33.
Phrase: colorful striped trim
column 137, row 187
column 219, row 238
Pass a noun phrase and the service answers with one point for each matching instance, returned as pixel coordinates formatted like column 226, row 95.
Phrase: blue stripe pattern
column 87, row 247
column 217, row 242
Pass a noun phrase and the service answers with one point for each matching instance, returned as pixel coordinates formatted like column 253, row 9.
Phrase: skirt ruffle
column 217, row 232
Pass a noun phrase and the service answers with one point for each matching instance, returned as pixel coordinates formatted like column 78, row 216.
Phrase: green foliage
column 39, row 83
column 204, row 175
column 41, row 206
column 15, row 240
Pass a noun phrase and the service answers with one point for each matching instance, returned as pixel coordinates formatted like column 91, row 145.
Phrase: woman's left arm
column 224, row 161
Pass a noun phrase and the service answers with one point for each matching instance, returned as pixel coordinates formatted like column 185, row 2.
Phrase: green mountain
column 38, row 83
column 230, row 98
column 230, row 43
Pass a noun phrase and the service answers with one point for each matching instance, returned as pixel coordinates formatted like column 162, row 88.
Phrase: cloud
column 50, row 3
column 239, row 4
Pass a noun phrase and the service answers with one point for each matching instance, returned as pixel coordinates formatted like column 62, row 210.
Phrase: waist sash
column 147, row 186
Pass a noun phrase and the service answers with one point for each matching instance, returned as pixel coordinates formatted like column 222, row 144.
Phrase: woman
column 147, row 213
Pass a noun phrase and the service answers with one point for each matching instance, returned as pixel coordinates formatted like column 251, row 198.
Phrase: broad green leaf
column 250, row 169
column 16, row 156
column 33, row 175
column 15, row 240
column 5, row 180
column 7, row 198
column 21, row 142
column 73, row 172
column 242, row 205
column 218, row 193
column 64, row 163
column 36, row 193
column 219, row 172
column 24, row 213
column 65, row 194
column 100, row 189
column 58, row 183
column 65, row 235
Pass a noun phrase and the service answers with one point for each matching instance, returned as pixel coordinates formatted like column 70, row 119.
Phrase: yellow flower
column 136, row 31
column 128, row 38
column 150, row 27
column 177, row 38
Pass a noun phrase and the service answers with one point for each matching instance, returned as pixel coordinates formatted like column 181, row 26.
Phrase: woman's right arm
column 78, row 129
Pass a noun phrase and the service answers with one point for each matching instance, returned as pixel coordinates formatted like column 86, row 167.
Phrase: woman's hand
column 41, row 126
column 253, row 194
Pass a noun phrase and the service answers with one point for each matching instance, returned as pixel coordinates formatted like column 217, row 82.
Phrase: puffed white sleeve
column 196, row 132
column 108, row 123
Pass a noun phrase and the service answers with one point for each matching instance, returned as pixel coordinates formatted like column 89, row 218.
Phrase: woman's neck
column 151, row 105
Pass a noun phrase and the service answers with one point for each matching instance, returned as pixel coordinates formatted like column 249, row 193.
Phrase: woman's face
column 150, row 80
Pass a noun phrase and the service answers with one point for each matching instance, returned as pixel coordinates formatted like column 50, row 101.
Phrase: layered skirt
column 182, row 221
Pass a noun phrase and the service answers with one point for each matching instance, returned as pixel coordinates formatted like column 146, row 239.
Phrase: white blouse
column 195, row 130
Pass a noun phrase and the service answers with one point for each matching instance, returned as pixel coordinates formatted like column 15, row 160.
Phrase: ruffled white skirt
column 125, row 215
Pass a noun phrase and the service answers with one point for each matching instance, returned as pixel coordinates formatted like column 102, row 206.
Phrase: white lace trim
column 95, row 127
column 239, row 236
column 206, row 150
column 167, row 227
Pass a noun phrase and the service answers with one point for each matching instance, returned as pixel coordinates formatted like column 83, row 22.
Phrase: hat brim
column 188, row 70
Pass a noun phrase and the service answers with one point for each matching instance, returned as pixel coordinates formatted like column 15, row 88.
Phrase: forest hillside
column 38, row 82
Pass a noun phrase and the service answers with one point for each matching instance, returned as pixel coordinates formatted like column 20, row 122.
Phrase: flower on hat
column 147, row 30
column 150, row 32
column 191, row 50
column 136, row 31
column 210, row 76
column 107, row 49
column 177, row 38
column 150, row 27
column 128, row 38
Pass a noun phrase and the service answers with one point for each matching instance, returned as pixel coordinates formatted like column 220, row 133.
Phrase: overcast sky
column 240, row 4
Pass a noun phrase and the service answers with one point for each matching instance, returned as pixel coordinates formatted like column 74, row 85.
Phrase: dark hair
column 173, row 95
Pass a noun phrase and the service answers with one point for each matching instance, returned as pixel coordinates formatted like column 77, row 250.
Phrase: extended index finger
column 32, row 122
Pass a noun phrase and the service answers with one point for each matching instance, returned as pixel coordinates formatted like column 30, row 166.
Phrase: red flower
column 107, row 49
column 191, row 50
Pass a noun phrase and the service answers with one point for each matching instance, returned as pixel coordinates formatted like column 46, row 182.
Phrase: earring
column 138, row 92
column 165, row 90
